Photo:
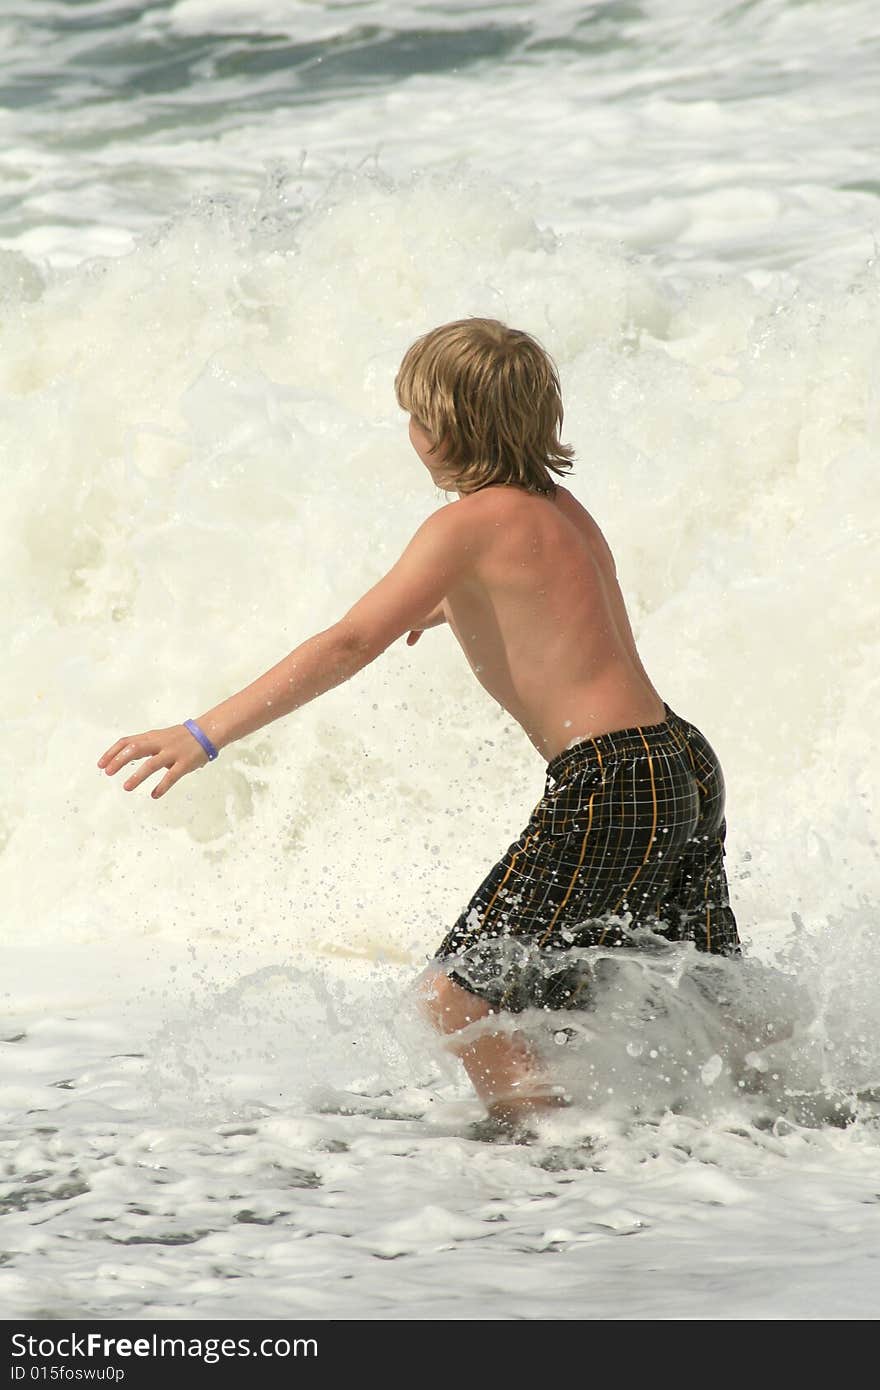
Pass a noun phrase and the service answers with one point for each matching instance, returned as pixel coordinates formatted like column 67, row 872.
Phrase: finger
column 144, row 771
column 112, row 751
column 141, row 746
column 127, row 754
column 166, row 783
column 414, row 637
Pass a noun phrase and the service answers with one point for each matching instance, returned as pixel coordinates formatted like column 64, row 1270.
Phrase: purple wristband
column 202, row 738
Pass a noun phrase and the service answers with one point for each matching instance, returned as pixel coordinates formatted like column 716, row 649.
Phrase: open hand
column 174, row 749
column 434, row 619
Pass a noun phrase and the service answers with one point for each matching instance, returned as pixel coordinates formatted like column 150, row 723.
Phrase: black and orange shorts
column 628, row 835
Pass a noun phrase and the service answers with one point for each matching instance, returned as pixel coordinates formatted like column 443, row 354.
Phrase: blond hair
column 489, row 398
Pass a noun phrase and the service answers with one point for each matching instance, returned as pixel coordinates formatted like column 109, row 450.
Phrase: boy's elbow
column 360, row 643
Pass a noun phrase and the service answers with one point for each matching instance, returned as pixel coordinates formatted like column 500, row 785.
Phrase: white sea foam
column 203, row 441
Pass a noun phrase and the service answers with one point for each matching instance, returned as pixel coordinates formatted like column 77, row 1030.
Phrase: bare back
column 541, row 619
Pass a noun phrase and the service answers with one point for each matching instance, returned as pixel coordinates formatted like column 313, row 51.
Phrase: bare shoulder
column 455, row 531
column 451, row 522
column 572, row 508
column 587, row 527
column 469, row 518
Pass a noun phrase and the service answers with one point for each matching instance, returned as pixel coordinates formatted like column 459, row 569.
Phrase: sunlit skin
column 527, row 585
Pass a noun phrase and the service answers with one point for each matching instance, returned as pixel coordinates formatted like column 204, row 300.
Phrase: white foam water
column 216, row 1094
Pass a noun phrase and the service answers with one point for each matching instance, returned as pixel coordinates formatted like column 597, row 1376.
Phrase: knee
column 446, row 1005
column 433, row 993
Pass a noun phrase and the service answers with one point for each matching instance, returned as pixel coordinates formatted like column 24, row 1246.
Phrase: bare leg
column 504, row 1070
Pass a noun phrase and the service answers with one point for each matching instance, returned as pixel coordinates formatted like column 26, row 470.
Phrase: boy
column 629, row 833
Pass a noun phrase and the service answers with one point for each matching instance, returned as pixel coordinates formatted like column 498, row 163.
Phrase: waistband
column 671, row 734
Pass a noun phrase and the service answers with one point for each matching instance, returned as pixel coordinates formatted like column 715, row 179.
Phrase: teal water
column 738, row 132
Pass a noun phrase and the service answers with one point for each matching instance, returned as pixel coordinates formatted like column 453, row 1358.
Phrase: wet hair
column 488, row 397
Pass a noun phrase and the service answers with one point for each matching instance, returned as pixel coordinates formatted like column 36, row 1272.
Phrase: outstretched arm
column 437, row 554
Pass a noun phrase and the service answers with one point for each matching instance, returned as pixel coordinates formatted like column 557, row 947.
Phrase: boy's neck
column 550, row 494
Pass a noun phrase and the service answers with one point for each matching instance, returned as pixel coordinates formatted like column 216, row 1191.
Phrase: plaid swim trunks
column 629, row 834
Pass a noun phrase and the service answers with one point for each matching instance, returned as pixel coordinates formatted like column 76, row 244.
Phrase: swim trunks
column 628, row 835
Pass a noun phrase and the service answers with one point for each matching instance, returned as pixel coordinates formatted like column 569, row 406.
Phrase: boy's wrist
column 200, row 736
column 213, row 729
